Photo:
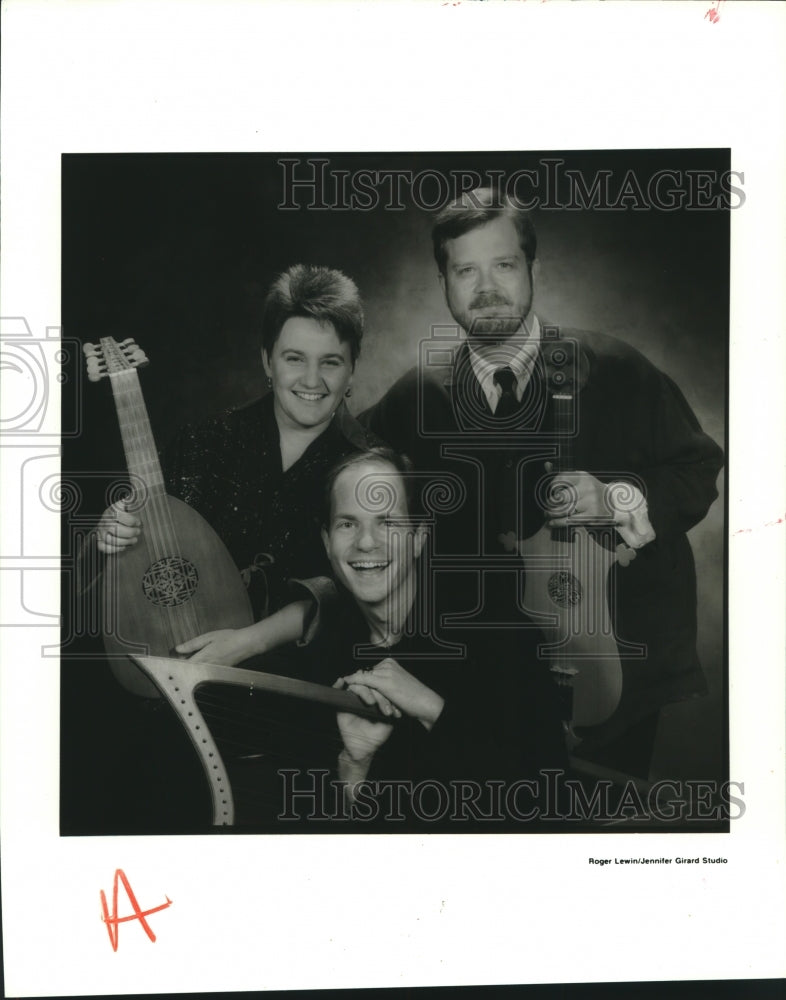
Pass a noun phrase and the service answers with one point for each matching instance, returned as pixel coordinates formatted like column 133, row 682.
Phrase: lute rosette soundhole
column 170, row 582
column 564, row 589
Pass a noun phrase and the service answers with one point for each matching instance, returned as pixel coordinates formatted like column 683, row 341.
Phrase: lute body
column 566, row 588
column 160, row 592
column 566, row 591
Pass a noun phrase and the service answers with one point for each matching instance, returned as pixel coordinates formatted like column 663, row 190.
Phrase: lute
column 178, row 580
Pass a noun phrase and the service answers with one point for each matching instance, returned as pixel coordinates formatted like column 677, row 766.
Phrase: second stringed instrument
column 178, row 581
column 568, row 568
column 180, row 682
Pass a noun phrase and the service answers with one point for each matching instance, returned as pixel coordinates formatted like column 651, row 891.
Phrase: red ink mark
column 138, row 914
column 714, row 12
column 767, row 524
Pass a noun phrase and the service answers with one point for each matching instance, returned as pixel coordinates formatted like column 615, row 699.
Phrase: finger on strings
column 204, row 655
column 559, row 522
column 121, row 513
column 192, row 645
column 113, row 545
column 117, row 534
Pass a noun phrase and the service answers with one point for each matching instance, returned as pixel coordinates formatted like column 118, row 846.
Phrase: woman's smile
column 310, row 368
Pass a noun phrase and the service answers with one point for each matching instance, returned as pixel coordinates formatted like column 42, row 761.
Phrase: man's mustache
column 485, row 299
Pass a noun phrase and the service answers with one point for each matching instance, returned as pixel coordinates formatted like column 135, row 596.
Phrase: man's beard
column 498, row 326
column 493, row 329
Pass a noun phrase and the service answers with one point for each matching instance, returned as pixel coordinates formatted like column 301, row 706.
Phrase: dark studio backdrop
column 177, row 251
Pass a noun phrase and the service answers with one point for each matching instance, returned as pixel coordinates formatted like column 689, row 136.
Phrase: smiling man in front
column 450, row 718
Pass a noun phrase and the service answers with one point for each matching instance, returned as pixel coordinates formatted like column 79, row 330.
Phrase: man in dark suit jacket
column 516, row 400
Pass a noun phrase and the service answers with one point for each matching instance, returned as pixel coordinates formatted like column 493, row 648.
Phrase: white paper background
column 255, row 912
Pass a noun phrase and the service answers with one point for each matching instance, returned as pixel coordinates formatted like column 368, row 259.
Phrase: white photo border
column 166, row 76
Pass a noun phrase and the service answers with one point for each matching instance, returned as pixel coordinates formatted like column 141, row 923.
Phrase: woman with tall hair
column 255, row 473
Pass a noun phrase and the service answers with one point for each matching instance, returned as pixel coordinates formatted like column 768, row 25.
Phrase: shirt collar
column 517, row 354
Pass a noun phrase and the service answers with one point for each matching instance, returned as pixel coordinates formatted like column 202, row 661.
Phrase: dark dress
column 229, row 470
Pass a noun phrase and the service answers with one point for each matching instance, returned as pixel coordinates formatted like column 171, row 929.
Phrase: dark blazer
column 631, row 423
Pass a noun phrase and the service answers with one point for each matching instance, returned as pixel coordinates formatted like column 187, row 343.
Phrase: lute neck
column 138, row 443
column 563, row 428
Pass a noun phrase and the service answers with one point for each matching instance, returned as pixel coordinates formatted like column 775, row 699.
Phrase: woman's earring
column 348, row 393
column 269, row 381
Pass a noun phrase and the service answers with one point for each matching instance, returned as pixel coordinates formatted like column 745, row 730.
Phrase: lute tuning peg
column 94, row 372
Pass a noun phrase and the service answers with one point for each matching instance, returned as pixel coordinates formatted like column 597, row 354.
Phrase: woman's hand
column 230, row 646
column 226, row 646
column 403, row 690
column 117, row 529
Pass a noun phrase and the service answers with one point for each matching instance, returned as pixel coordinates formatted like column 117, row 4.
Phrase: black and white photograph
column 454, row 429
column 392, row 536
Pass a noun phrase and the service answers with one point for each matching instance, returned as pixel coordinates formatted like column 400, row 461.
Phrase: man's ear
column 441, row 277
column 326, row 540
column 535, row 273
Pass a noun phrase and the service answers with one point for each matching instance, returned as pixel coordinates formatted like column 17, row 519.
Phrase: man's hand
column 405, row 692
column 575, row 493
column 579, row 495
column 226, row 646
column 362, row 737
column 117, row 529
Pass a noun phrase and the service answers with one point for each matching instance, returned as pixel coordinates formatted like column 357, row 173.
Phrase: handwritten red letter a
column 138, row 914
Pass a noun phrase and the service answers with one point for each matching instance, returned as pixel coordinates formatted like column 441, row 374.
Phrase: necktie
column 508, row 404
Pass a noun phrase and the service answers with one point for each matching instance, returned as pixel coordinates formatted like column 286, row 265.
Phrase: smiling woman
column 255, row 473
column 310, row 369
column 311, row 332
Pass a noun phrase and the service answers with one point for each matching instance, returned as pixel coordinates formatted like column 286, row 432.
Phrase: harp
column 179, row 681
